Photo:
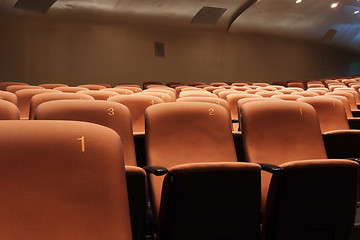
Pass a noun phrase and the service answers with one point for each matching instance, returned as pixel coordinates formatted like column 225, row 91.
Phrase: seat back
column 8, row 111
column 52, row 85
column 218, row 101
column 330, row 111
column 137, row 104
column 110, row 114
column 59, row 181
column 14, row 88
column 46, row 97
column 312, row 200
column 71, row 89
column 233, row 98
column 24, row 99
column 183, row 132
column 4, row 85
column 99, row 95
column 9, row 96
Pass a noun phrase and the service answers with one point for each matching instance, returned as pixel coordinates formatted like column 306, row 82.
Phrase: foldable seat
column 52, row 85
column 165, row 96
column 268, row 88
column 268, row 93
column 4, row 85
column 307, row 94
column 232, row 99
column 288, row 91
column 8, row 111
column 117, row 117
column 320, row 91
column 193, row 84
column 223, row 94
column 24, row 99
column 46, row 97
column 311, row 200
column 246, row 100
column 137, row 104
column 261, row 84
column 59, row 181
column 239, row 84
column 121, row 91
column 147, row 83
column 8, row 96
column 288, row 97
column 340, row 141
column 14, row 88
column 162, row 90
column 276, row 132
column 71, row 89
column 330, row 111
column 205, row 192
column 351, row 98
column 218, row 84
column 296, row 84
column 241, row 89
column 287, row 131
column 110, row 114
column 218, row 101
column 99, row 95
column 212, row 88
column 196, row 93
column 133, row 88
column 315, row 85
column 92, row 86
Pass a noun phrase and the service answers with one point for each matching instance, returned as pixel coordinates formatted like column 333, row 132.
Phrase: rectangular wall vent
column 159, row 49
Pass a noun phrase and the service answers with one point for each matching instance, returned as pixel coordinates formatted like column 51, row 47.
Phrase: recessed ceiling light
column 334, row 5
column 298, row 1
column 356, row 12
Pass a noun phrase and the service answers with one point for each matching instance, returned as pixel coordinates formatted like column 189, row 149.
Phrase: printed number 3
column 111, row 111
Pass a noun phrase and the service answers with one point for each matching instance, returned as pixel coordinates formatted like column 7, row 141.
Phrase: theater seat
column 8, row 111
column 9, row 96
column 46, row 97
column 60, row 182
column 117, row 117
column 276, row 132
column 137, row 104
column 24, row 99
column 193, row 142
column 211, row 201
column 311, row 200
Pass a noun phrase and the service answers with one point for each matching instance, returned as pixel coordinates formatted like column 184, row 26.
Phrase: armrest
column 355, row 160
column 270, row 168
column 156, row 170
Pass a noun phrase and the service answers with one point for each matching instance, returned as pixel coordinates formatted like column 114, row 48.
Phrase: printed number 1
column 82, row 139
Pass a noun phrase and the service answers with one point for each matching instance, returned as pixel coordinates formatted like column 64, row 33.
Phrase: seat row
column 197, row 188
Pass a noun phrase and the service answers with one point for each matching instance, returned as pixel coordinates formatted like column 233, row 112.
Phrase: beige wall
column 76, row 52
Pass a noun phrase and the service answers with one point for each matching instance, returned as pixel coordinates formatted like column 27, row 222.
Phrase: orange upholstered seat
column 59, row 181
column 194, row 142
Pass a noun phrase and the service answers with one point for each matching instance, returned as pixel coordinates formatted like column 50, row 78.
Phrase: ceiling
column 309, row 19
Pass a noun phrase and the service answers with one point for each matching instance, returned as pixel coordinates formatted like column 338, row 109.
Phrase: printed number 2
column 211, row 112
column 82, row 139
